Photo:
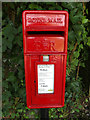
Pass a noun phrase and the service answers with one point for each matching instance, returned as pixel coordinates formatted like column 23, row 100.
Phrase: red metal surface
column 45, row 33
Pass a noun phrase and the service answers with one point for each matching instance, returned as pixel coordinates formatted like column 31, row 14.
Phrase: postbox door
column 47, row 98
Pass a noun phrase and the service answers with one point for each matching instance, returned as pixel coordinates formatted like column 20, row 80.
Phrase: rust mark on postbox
column 45, row 36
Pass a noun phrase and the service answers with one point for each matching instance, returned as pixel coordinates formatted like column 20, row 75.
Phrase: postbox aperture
column 45, row 52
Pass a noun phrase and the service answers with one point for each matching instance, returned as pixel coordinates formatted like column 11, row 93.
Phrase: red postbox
column 45, row 51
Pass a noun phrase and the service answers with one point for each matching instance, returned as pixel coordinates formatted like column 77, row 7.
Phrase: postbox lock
column 46, row 58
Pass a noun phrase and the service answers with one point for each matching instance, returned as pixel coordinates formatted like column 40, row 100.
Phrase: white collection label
column 46, row 78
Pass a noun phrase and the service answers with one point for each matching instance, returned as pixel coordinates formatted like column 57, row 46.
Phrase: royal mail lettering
column 42, row 20
column 45, row 19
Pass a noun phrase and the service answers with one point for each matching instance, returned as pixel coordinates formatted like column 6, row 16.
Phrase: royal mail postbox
column 45, row 52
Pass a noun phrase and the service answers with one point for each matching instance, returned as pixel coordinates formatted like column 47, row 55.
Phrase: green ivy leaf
column 75, row 62
column 13, row 115
column 20, row 29
column 84, row 21
column 88, row 43
column 73, row 12
column 81, row 46
column 77, row 110
column 71, row 36
column 80, row 106
column 61, row 116
column 76, row 54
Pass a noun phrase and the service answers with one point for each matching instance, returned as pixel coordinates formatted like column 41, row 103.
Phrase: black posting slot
column 44, row 33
